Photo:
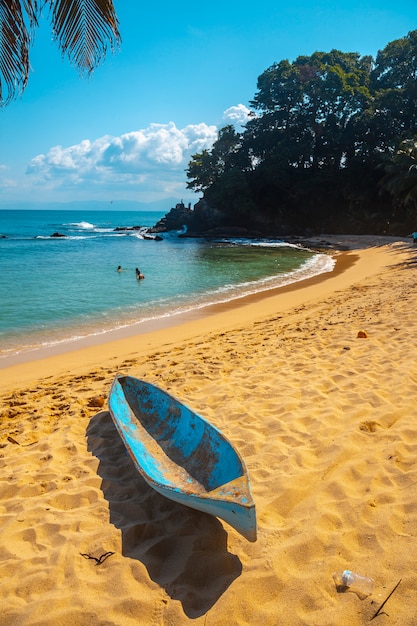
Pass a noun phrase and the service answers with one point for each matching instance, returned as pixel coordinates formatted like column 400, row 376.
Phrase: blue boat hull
column 181, row 455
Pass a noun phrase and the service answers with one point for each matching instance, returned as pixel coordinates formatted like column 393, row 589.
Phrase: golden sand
column 325, row 418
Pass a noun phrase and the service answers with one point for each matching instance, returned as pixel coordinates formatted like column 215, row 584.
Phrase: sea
column 55, row 291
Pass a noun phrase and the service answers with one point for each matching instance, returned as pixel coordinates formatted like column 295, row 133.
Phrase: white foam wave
column 82, row 225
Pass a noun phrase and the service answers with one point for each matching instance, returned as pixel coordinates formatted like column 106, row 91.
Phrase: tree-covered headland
column 331, row 146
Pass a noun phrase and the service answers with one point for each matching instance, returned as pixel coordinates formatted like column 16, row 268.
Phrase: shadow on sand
column 184, row 551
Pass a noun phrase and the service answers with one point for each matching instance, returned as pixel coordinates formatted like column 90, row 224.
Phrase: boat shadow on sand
column 184, row 550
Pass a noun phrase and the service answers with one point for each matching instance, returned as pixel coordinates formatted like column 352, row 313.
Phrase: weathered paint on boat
column 181, row 455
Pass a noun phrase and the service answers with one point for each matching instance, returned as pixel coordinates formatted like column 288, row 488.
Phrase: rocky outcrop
column 205, row 220
column 197, row 221
column 206, row 217
column 176, row 219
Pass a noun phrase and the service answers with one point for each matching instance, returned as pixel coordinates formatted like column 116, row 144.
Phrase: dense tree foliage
column 331, row 145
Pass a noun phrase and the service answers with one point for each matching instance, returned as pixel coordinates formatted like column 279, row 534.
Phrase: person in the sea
column 139, row 275
column 414, row 236
column 119, row 268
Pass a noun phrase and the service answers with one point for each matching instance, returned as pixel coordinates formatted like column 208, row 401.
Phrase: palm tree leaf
column 14, row 47
column 32, row 10
column 84, row 30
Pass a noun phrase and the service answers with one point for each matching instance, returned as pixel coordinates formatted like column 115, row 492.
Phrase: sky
column 183, row 71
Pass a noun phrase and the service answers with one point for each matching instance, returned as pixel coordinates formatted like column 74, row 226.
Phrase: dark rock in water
column 207, row 218
column 3, row 237
column 196, row 221
column 174, row 220
column 58, row 235
column 123, row 228
column 204, row 220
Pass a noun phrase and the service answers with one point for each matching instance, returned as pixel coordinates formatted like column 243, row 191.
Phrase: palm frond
column 84, row 30
column 32, row 11
column 14, row 47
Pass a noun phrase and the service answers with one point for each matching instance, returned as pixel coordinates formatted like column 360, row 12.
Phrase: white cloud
column 146, row 159
column 237, row 115
column 144, row 165
column 159, row 145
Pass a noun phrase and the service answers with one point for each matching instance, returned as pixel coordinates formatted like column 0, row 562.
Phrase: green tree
column 396, row 64
column 400, row 179
column 393, row 116
column 312, row 153
column 84, row 29
column 205, row 168
column 310, row 104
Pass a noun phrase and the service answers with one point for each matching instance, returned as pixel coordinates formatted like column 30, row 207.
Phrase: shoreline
column 323, row 416
column 334, row 245
column 362, row 251
column 161, row 323
column 330, row 245
column 60, row 342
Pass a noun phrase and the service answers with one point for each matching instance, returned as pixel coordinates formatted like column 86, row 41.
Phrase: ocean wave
column 81, row 225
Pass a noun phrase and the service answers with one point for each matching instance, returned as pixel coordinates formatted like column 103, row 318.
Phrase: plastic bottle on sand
column 354, row 582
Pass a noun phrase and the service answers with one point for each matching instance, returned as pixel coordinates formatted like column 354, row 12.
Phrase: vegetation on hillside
column 331, row 145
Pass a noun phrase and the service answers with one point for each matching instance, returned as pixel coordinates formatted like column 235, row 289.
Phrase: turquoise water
column 54, row 290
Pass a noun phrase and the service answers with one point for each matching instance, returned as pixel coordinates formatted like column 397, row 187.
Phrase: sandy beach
column 314, row 384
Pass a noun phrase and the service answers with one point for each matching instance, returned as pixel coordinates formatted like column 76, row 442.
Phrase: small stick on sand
column 385, row 601
column 98, row 560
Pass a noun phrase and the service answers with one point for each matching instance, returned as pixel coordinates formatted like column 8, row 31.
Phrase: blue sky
column 183, row 71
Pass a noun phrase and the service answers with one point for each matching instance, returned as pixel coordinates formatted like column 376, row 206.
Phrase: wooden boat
column 181, row 455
